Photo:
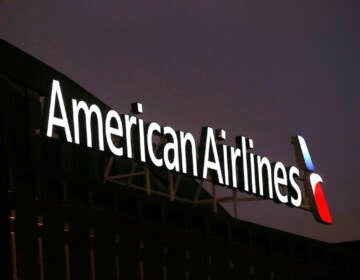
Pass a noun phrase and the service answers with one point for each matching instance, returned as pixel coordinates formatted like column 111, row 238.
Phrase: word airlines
column 129, row 136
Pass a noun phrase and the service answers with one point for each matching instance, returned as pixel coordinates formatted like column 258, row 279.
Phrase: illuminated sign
column 129, row 136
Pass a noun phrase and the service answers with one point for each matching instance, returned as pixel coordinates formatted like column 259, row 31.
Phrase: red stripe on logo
column 321, row 204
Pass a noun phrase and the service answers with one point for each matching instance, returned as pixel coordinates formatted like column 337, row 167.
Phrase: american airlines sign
column 233, row 167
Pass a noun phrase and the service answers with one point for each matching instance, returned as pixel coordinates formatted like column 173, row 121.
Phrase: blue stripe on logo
column 306, row 155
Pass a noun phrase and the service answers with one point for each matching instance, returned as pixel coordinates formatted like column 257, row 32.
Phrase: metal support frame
column 174, row 186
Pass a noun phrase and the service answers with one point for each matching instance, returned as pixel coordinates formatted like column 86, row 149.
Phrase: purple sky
column 264, row 69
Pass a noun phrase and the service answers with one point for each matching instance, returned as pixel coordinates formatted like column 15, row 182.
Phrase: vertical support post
column 177, row 184
column 92, row 254
column 40, row 223
column 42, row 104
column 117, row 259
column 67, row 251
column 141, row 261
column 130, row 178
column 231, row 268
column 214, row 198
column 164, row 267
column 108, row 168
column 209, row 263
column 197, row 192
column 147, row 179
column 187, row 260
column 235, row 203
column 5, row 237
column 13, row 244
column 171, row 186
column 7, row 220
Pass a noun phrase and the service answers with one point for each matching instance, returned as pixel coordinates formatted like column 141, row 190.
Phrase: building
column 68, row 212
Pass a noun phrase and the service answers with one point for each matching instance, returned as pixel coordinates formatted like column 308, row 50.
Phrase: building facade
column 69, row 212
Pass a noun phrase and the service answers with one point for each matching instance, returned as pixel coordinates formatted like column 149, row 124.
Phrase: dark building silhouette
column 61, row 218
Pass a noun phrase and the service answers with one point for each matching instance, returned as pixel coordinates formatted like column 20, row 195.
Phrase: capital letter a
column 56, row 95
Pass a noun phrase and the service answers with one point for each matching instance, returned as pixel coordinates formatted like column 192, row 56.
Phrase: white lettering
column 171, row 148
column 152, row 128
column 292, row 173
column 81, row 105
column 52, row 120
column 109, row 131
column 208, row 164
column 280, row 178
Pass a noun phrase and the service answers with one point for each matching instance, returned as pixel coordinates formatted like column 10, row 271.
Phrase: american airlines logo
column 313, row 187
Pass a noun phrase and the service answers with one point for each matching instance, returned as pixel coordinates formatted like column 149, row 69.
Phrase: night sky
column 264, row 69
